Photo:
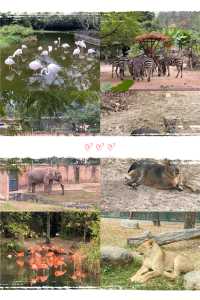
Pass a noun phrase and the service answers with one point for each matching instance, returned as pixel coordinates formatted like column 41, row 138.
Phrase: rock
column 168, row 95
column 115, row 255
column 192, row 280
column 129, row 224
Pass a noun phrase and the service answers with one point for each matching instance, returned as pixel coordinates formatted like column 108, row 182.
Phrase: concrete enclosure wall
column 72, row 174
column 4, row 184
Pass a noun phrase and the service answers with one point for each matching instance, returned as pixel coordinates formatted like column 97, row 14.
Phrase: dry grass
column 113, row 234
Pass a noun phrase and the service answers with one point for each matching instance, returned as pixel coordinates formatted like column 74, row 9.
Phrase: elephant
column 46, row 176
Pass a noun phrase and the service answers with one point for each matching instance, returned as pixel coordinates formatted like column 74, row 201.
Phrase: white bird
column 80, row 44
column 50, row 69
column 50, row 49
column 59, row 41
column 55, row 42
column 24, row 47
column 76, row 51
column 91, row 51
column 9, row 61
column 40, row 48
column 35, row 65
column 65, row 46
column 44, row 53
column 18, row 53
column 53, row 68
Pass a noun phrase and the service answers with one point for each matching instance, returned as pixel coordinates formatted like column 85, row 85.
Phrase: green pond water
column 12, row 275
column 76, row 73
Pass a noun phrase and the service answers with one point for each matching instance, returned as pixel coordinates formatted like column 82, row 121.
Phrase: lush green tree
column 117, row 27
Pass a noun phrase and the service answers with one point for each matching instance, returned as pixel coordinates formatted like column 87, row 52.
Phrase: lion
column 159, row 262
column 164, row 175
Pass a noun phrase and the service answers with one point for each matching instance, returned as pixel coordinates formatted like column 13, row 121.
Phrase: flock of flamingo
column 39, row 64
column 45, row 260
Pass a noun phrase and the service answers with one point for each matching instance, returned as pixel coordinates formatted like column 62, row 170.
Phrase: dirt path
column 190, row 80
column 116, row 196
column 147, row 109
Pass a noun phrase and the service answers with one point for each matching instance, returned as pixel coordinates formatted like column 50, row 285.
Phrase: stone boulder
column 129, row 224
column 115, row 255
column 192, row 280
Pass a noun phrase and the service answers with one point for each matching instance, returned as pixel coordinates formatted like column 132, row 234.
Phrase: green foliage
column 80, row 223
column 10, row 34
column 12, row 165
column 30, row 108
column 179, row 37
column 17, row 230
column 49, row 21
column 119, row 27
column 123, row 86
column 11, row 246
column 16, row 30
column 119, row 277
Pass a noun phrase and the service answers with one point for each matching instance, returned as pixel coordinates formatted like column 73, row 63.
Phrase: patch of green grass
column 123, row 86
column 119, row 277
column 10, row 34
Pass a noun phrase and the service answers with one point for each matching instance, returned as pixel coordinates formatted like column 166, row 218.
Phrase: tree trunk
column 166, row 238
column 156, row 218
column 190, row 220
column 48, row 233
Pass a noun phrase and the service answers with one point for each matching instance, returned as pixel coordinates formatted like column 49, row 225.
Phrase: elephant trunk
column 63, row 188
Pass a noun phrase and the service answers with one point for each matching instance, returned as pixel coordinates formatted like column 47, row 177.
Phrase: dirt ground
column 80, row 196
column 116, row 196
column 189, row 81
column 147, row 109
column 113, row 234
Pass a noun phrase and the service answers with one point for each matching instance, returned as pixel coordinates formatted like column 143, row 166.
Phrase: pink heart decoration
column 88, row 146
column 110, row 146
column 99, row 147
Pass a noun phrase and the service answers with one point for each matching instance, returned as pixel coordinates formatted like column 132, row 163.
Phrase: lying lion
column 166, row 175
column 159, row 262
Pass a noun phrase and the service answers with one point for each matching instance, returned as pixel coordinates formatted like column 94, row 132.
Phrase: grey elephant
column 46, row 176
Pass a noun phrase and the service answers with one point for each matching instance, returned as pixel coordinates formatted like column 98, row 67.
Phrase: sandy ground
column 116, row 196
column 80, row 196
column 189, row 81
column 147, row 109
column 112, row 233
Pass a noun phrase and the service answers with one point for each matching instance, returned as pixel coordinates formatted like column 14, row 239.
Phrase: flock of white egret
column 44, row 67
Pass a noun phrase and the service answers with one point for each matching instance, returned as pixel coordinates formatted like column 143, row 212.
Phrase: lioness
column 158, row 261
column 151, row 173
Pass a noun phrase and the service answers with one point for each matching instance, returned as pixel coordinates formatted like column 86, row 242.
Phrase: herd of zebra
column 144, row 66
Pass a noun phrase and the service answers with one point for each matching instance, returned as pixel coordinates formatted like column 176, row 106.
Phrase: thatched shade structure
column 150, row 41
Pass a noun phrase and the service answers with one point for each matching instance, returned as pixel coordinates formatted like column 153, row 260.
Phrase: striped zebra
column 141, row 66
column 165, row 62
column 118, row 67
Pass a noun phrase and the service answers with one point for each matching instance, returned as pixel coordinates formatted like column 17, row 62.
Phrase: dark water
column 76, row 73
column 12, row 275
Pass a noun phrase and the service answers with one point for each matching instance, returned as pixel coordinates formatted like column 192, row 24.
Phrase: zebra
column 164, row 63
column 140, row 66
column 149, row 67
column 118, row 67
